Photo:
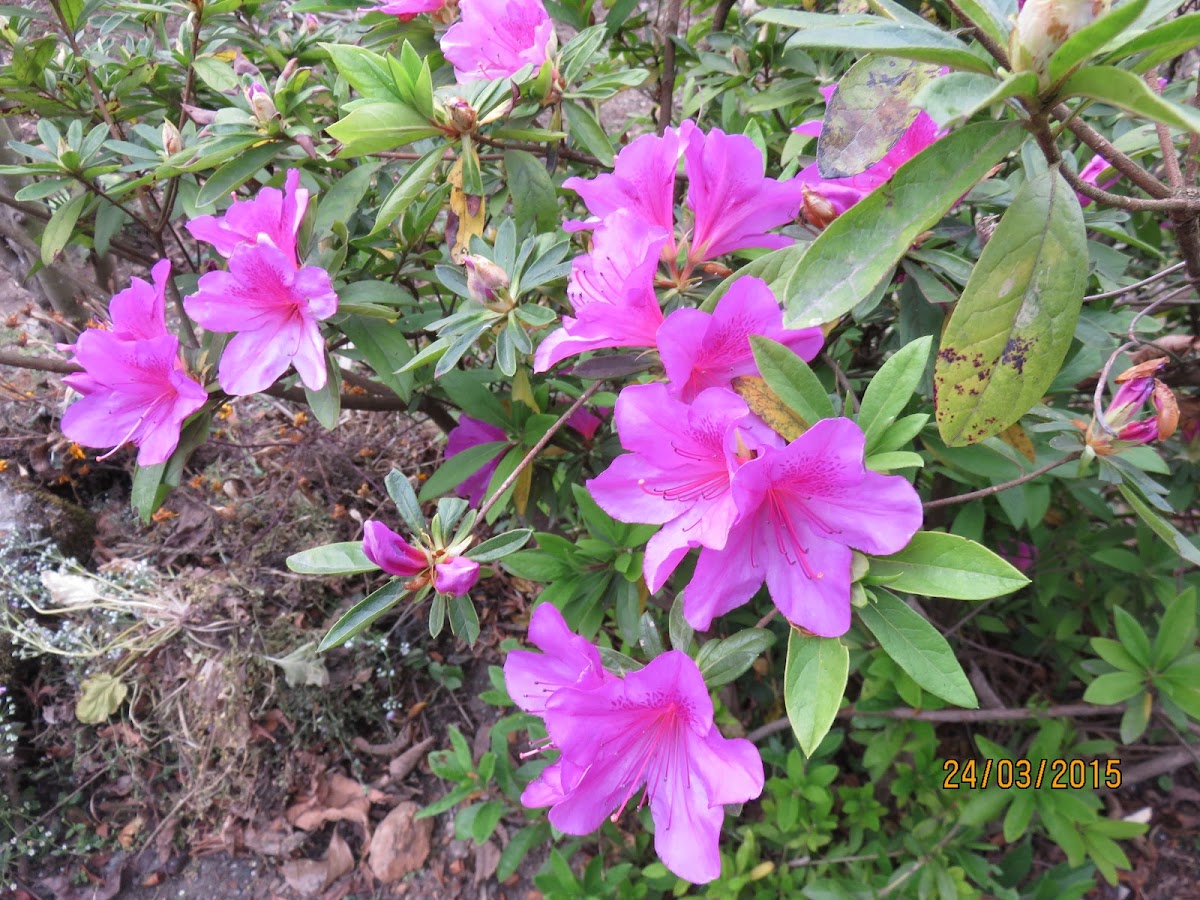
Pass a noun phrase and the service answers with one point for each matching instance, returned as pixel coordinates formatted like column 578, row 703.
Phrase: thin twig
column 1137, row 285
column 536, row 449
column 997, row 488
column 666, row 86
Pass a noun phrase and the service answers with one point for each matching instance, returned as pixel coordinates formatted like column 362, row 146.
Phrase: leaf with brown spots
column 1009, row 333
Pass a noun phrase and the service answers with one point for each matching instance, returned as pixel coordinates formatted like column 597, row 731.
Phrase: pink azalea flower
column 642, row 182
column 612, row 292
column 1091, row 174
column 585, row 423
column 1138, row 384
column 273, row 213
column 701, row 350
column 404, row 10
column 654, row 729
column 734, row 204
column 842, row 193
column 133, row 391
column 498, row 38
column 678, row 471
column 274, row 309
column 1022, row 555
column 801, row 509
column 471, row 433
column 454, row 575
column 566, row 660
column 139, row 312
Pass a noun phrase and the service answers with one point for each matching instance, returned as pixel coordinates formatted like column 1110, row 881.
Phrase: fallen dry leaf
column 129, row 832
column 402, row 765
column 336, row 798
column 401, row 844
column 309, row 877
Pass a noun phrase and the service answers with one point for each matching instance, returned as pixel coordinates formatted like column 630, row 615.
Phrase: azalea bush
column 818, row 399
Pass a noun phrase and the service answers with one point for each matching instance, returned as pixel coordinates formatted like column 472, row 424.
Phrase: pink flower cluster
column 270, row 303
column 134, row 385
column 493, row 39
column 653, row 729
column 732, row 207
column 135, row 388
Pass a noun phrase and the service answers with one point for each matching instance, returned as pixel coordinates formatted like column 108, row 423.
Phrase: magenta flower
column 1091, row 174
column 642, row 182
column 678, row 471
column 842, row 193
column 566, row 660
column 470, row 433
column 800, row 510
column 404, row 10
column 733, row 202
column 1138, row 384
column 274, row 309
column 585, row 423
column 139, row 313
column 1022, row 555
column 700, row 350
column 498, row 38
column 273, row 213
column 133, row 391
column 454, row 575
column 612, row 291
column 654, row 729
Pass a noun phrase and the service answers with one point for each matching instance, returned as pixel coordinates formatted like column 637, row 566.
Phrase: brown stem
column 666, row 86
column 721, row 15
column 997, row 488
column 985, row 40
column 536, row 449
column 1115, row 157
column 39, row 363
column 1133, row 204
column 1064, row 711
column 127, row 250
column 539, row 149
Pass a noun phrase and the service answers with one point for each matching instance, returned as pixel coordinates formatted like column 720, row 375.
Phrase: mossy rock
column 33, row 510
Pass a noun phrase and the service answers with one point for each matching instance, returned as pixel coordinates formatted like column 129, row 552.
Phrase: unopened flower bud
column 311, row 24
column 261, row 103
column 171, row 138
column 817, row 211
column 1044, row 25
column 198, row 115
column 487, row 283
column 462, row 115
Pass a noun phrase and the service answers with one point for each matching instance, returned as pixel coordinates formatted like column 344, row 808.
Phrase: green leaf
column 918, row 648
column 946, row 565
column 860, row 248
column 366, row 71
column 721, row 661
column 1114, row 687
column 1177, row 630
column 1115, row 654
column 501, row 545
column 1124, row 90
column 1133, row 637
column 326, row 404
column 217, row 74
column 148, row 491
column 989, row 17
column 1089, row 40
column 363, row 613
column 100, row 696
column 400, row 490
column 519, row 846
column 61, row 226
column 791, row 379
column 385, row 349
column 375, row 127
column 1175, row 538
column 464, row 621
column 893, row 39
column 1011, row 329
column 868, row 113
column 346, row 558
column 680, row 631
column 414, row 181
column 233, row 174
column 814, row 680
column 1162, row 42
column 958, row 96
column 533, row 198
column 891, row 389
column 461, row 466
column 770, row 267
column 586, row 131
column 344, row 197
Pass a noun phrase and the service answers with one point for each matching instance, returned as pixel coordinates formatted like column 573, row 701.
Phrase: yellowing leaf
column 766, row 404
column 521, row 490
column 471, row 212
column 102, row 695
column 1015, row 437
